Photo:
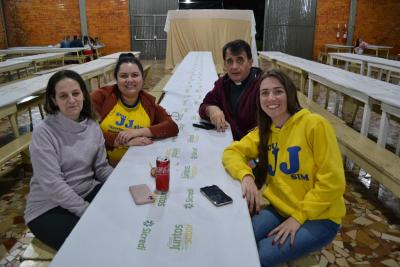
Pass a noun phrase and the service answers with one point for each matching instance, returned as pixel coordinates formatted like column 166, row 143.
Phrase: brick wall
column 39, row 22
column 109, row 20
column 377, row 22
column 329, row 15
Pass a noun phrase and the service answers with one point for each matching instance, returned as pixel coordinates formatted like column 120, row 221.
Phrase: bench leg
column 41, row 111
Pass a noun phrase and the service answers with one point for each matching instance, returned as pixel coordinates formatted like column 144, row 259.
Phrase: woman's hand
column 125, row 136
column 250, row 192
column 139, row 141
column 288, row 227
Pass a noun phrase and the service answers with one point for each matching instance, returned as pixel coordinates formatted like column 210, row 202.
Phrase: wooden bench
column 20, row 143
column 383, row 165
column 161, row 84
column 158, row 90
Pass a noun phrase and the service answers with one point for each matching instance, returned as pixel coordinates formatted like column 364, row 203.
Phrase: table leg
column 310, row 88
column 302, row 82
column 388, row 73
column 369, row 71
column 380, row 74
column 337, row 102
column 365, row 120
column 362, row 68
column 383, row 129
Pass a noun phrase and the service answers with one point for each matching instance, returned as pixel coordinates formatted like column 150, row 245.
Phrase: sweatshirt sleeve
column 49, row 176
column 163, row 125
column 329, row 178
column 101, row 167
column 236, row 156
column 213, row 98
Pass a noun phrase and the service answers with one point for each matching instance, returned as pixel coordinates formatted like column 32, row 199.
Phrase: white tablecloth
column 184, row 228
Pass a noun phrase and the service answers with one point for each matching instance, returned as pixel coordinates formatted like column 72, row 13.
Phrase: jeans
column 311, row 236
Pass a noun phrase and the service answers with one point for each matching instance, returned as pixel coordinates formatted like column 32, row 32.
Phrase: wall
column 329, row 15
column 109, row 20
column 44, row 22
column 38, row 22
column 2, row 34
column 377, row 21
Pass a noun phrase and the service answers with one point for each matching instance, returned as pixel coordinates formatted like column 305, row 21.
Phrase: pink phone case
column 141, row 194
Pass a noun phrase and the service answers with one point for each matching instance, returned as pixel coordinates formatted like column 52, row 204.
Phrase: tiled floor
column 370, row 234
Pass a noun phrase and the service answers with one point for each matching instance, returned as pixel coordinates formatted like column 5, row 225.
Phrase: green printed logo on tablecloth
column 180, row 126
column 176, row 116
column 161, row 199
column 173, row 152
column 189, row 172
column 181, row 238
column 189, row 201
column 193, row 138
column 194, row 154
column 146, row 230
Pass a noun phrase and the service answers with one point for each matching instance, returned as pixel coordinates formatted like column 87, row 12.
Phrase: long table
column 8, row 66
column 338, row 47
column 182, row 228
column 77, row 52
column 378, row 48
column 362, row 88
column 35, row 59
column 12, row 93
column 367, row 61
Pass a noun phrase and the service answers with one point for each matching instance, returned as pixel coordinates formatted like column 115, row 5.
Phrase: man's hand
column 217, row 118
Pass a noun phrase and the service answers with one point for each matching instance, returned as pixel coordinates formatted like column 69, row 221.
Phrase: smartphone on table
column 141, row 194
column 204, row 125
column 216, row 195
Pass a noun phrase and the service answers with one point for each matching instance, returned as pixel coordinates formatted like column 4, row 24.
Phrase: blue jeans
column 311, row 236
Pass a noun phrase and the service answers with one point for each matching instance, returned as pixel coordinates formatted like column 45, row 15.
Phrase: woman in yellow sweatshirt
column 302, row 168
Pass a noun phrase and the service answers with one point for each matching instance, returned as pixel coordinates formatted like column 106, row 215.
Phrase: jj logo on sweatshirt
column 292, row 167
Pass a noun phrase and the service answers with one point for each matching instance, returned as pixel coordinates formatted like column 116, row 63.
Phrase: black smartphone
column 216, row 195
column 204, row 125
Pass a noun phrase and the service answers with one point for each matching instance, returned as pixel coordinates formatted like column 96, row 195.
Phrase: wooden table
column 12, row 93
column 362, row 88
column 20, row 51
column 338, row 48
column 378, row 48
column 367, row 61
column 182, row 228
column 36, row 59
column 9, row 66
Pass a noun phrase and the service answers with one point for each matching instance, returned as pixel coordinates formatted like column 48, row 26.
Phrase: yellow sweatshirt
column 305, row 177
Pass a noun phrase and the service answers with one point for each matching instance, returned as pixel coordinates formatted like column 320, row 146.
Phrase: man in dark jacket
column 232, row 101
column 76, row 42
